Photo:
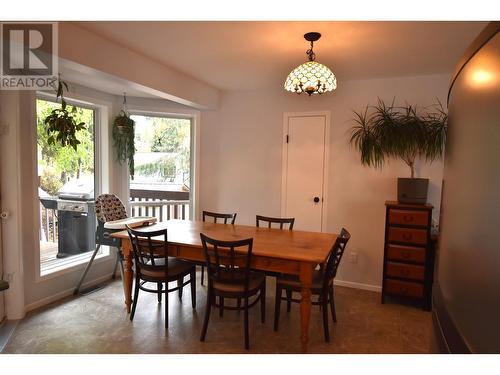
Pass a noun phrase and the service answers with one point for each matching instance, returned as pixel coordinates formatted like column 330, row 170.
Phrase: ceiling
column 259, row 55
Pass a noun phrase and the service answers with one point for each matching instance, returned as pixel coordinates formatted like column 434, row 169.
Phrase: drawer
column 406, row 253
column 404, row 288
column 407, row 271
column 408, row 235
column 408, row 217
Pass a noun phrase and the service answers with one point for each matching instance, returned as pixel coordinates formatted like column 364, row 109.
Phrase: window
column 66, row 191
column 161, row 184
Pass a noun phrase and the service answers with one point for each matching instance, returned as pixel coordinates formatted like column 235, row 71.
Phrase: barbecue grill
column 76, row 217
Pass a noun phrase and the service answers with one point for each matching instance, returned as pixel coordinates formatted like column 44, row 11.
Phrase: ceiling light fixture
column 311, row 77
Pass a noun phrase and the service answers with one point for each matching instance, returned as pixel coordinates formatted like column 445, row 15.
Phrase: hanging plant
column 61, row 125
column 123, row 138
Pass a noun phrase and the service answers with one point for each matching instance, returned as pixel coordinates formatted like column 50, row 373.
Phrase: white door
column 304, row 170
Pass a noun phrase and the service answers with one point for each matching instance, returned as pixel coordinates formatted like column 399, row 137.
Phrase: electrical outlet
column 353, row 257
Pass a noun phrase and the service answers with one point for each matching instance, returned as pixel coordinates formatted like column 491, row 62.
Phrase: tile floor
column 97, row 323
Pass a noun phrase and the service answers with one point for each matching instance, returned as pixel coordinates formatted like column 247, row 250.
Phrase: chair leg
column 160, row 291
column 136, row 297
column 202, row 274
column 324, row 301
column 288, row 300
column 247, row 340
column 113, row 275
column 207, row 315
column 166, row 307
column 221, row 306
column 263, row 303
column 332, row 304
column 180, row 286
column 193, row 288
column 277, row 307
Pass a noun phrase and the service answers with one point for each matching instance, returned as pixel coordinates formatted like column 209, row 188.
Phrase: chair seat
column 236, row 285
column 293, row 282
column 176, row 269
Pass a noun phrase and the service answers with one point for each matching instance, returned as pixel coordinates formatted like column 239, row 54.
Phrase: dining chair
column 230, row 276
column 322, row 284
column 216, row 216
column 275, row 220
column 153, row 265
column 282, row 222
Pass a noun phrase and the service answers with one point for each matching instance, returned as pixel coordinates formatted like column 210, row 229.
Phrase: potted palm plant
column 386, row 131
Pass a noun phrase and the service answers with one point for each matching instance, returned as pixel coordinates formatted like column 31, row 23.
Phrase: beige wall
column 241, row 145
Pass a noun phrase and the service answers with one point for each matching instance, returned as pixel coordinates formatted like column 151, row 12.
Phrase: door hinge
column 287, row 138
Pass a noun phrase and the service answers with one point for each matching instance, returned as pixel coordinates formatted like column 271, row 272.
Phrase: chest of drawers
column 408, row 253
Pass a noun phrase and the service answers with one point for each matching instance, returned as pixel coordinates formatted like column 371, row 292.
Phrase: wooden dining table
column 290, row 252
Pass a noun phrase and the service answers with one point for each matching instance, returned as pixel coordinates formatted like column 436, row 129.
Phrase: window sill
column 75, row 263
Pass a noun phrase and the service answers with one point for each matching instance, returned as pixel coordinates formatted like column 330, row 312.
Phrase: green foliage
column 50, row 180
column 165, row 139
column 164, row 169
column 386, row 131
column 123, row 140
column 61, row 123
column 165, row 135
column 66, row 162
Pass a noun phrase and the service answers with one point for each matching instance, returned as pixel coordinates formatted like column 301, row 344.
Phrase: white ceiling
column 259, row 55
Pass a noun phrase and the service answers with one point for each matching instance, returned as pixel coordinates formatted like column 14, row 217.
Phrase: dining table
column 291, row 252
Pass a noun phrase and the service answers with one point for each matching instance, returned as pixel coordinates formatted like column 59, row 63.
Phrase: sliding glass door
column 66, row 185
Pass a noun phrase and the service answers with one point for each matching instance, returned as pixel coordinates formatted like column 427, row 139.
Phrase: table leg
column 306, row 272
column 128, row 272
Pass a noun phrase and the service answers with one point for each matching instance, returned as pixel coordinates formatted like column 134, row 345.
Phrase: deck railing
column 48, row 224
column 163, row 205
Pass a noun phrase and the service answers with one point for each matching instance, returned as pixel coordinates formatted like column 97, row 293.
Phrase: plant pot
column 413, row 190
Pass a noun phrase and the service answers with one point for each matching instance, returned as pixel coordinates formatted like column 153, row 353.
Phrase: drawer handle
column 407, row 236
column 408, row 218
column 405, row 254
column 404, row 290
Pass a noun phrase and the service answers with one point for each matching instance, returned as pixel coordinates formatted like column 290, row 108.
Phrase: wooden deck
column 49, row 261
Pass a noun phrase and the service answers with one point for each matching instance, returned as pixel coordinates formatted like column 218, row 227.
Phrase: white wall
column 241, row 149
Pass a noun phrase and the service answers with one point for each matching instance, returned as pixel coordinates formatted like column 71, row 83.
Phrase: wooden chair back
column 150, row 250
column 228, row 262
column 216, row 216
column 335, row 256
column 275, row 220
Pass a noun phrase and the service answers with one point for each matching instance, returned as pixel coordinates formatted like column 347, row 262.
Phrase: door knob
column 316, row 199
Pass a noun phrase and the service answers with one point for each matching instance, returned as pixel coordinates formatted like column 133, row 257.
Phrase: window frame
column 81, row 260
column 194, row 117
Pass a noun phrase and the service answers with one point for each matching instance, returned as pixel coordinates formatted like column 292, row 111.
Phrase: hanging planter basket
column 123, row 140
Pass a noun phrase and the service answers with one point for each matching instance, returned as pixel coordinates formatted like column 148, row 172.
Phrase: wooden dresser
column 408, row 252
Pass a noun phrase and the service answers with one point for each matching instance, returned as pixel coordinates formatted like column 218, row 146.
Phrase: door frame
column 326, row 160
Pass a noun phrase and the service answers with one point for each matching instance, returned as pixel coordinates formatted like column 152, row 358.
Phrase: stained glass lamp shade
column 311, row 77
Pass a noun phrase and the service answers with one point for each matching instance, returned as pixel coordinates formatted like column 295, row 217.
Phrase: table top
column 295, row 245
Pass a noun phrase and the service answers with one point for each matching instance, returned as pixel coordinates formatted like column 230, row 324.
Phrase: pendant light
column 311, row 77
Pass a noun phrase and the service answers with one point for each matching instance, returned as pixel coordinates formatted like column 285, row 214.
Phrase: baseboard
column 6, row 330
column 352, row 284
column 65, row 293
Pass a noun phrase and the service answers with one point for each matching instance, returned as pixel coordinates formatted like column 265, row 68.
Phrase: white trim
column 65, row 293
column 352, row 284
column 78, row 264
column 326, row 161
